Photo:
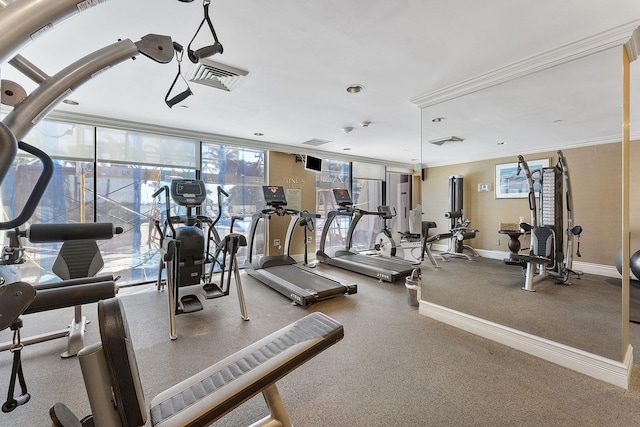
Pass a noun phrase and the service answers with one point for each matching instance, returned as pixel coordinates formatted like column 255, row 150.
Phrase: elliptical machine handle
column 221, row 191
column 38, row 190
column 165, row 188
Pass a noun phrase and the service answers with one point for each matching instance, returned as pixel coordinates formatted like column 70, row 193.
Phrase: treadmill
column 387, row 269
column 300, row 283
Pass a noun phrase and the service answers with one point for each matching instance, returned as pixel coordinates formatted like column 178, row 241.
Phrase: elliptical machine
column 186, row 252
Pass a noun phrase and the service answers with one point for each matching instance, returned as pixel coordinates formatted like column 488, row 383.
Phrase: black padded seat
column 78, row 258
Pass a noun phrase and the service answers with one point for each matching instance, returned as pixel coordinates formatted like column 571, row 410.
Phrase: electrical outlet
column 309, row 239
column 497, row 242
column 276, row 242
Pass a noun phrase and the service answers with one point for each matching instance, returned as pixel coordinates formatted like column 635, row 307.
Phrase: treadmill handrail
column 327, row 224
column 255, row 218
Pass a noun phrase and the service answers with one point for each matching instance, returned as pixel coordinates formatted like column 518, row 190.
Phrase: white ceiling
column 301, row 56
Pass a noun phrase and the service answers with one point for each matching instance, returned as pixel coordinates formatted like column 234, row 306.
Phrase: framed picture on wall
column 511, row 185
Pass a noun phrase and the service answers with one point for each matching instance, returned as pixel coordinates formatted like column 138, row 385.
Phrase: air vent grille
column 447, row 140
column 217, row 75
column 316, row 142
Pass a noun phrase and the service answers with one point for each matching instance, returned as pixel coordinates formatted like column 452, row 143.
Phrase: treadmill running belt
column 399, row 266
column 304, row 279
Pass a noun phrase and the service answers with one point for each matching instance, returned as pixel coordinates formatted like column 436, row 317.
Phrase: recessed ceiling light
column 502, row 143
column 70, row 102
column 439, row 119
column 259, row 134
column 355, row 88
column 347, row 149
column 557, row 121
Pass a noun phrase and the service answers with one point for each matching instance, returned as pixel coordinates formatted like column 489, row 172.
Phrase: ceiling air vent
column 447, row 140
column 316, row 142
column 217, row 75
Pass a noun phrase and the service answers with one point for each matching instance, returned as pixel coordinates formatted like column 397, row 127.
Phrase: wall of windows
column 109, row 175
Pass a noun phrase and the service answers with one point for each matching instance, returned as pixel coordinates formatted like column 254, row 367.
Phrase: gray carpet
column 586, row 314
column 393, row 368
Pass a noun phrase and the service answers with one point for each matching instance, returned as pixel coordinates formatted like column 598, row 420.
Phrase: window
column 335, row 174
column 367, row 195
column 68, row 197
column 131, row 167
column 241, row 173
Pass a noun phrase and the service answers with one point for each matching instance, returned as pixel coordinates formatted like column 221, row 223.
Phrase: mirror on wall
column 575, row 107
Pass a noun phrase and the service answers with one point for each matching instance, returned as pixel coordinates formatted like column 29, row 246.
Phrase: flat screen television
column 313, row 164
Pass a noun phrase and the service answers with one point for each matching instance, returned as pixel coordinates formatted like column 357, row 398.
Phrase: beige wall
column 596, row 186
column 283, row 170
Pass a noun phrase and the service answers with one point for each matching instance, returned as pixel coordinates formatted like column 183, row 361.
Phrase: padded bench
column 203, row 398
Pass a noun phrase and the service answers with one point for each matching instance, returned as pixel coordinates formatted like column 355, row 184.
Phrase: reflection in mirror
column 575, row 107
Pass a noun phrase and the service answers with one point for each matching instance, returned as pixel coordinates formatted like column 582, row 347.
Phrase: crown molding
column 617, row 36
column 633, row 45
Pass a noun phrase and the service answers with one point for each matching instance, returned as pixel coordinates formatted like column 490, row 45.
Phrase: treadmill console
column 274, row 195
column 342, row 196
column 188, row 192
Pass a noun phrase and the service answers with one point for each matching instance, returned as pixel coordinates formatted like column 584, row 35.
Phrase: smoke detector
column 447, row 140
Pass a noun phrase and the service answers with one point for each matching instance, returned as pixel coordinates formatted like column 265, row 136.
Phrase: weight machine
column 21, row 25
column 546, row 255
column 459, row 229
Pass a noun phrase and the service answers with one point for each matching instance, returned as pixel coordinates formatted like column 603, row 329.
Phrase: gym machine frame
column 546, row 257
column 189, row 271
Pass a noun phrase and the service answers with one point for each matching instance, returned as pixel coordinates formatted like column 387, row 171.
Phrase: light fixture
column 438, row 119
column 356, row 88
column 346, row 149
column 365, row 124
column 501, row 143
column 70, row 102
column 259, row 134
column 346, row 129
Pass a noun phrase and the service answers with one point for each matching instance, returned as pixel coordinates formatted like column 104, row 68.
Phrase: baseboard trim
column 601, row 368
column 585, row 267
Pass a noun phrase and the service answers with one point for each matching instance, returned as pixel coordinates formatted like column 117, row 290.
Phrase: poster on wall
column 513, row 185
column 294, row 198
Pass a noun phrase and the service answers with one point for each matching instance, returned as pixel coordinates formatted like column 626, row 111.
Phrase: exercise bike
column 385, row 244
column 189, row 244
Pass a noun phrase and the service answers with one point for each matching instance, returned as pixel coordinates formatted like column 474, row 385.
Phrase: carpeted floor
column 393, row 368
column 586, row 314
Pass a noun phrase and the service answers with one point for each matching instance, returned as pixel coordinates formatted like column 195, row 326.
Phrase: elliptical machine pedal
column 189, row 304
